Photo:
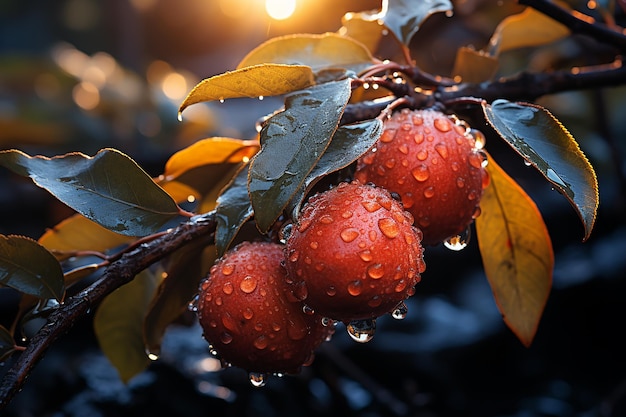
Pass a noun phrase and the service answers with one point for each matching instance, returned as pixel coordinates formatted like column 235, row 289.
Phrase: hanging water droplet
column 458, row 242
column 261, row 98
column 527, row 163
column 221, row 100
column 180, row 116
column 479, row 138
column 400, row 312
column 307, row 310
column 193, row 304
column 152, row 355
column 362, row 331
column 285, row 232
column 257, row 379
column 326, row 321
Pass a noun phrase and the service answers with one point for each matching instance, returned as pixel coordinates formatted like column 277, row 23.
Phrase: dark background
column 451, row 356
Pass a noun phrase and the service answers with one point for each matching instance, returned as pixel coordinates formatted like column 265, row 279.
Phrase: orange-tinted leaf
column 529, row 28
column 329, row 50
column 474, row 66
column 517, row 253
column 79, row 233
column 253, row 81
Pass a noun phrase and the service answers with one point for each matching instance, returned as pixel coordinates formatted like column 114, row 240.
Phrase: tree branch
column 117, row 274
column 579, row 23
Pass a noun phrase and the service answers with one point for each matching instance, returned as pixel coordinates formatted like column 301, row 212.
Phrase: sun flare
column 280, row 9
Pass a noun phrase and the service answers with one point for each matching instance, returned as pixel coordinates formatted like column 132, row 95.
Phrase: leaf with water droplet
column 292, row 142
column 404, row 17
column 348, row 144
column 184, row 271
column 233, row 210
column 516, row 251
column 328, row 50
column 543, row 141
column 108, row 188
column 118, row 324
column 28, row 267
column 255, row 80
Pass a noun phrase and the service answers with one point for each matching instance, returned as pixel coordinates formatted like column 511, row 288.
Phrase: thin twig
column 117, row 274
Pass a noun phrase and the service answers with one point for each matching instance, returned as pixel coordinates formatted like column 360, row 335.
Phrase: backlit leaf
column 79, row 233
column 329, row 50
column 544, row 142
column 183, row 272
column 108, row 188
column 28, row 267
column 517, row 253
column 233, row 210
column 474, row 66
column 259, row 79
column 529, row 28
column 404, row 17
column 364, row 27
column 292, row 142
column 348, row 144
column 118, row 324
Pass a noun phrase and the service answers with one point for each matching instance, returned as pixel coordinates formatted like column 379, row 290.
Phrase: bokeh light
column 280, row 9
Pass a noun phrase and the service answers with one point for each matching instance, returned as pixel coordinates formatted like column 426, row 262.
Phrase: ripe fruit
column 251, row 318
column 432, row 161
column 354, row 254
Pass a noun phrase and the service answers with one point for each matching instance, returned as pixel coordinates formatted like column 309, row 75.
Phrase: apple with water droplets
column 354, row 253
column 250, row 317
column 435, row 163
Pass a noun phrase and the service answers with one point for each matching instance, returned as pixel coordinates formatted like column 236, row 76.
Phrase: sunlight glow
column 280, row 9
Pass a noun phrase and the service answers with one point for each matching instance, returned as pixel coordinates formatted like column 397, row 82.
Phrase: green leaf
column 118, row 324
column 328, row 50
column 347, row 145
column 109, row 188
column 546, row 144
column 292, row 142
column 262, row 79
column 404, row 17
column 233, row 210
column 7, row 344
column 28, row 267
column 183, row 272
column 516, row 251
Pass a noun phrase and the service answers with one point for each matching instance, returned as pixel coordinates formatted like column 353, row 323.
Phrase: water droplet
column 422, row 155
column 375, row 271
column 326, row 321
column 375, row 301
column 429, row 192
column 401, row 285
column 314, row 245
column 527, row 163
column 442, row 124
column 260, row 342
column 261, row 98
column 404, row 149
column 326, row 219
column 366, row 255
column 371, row 206
column 228, row 288
column 226, row 338
column 179, row 116
column 418, row 138
column 420, row 173
column 476, row 212
column 248, row 284
column 193, row 304
column 230, row 323
column 475, row 160
column 307, row 310
column 406, row 126
column 294, row 256
column 331, row 291
column 153, row 356
column 362, row 331
column 228, row 269
column 389, row 227
column 248, row 313
column 388, row 135
column 300, row 291
column 479, row 138
column 458, row 242
column 460, row 182
column 400, row 311
column 449, row 13
column 355, row 288
column 285, row 232
column 257, row 379
column 442, row 150
column 349, row 234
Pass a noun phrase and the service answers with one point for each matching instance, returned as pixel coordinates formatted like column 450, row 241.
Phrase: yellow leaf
column 474, row 66
column 517, row 253
column 79, row 233
column 329, row 50
column 215, row 150
column 253, row 81
column 363, row 27
column 179, row 191
column 529, row 28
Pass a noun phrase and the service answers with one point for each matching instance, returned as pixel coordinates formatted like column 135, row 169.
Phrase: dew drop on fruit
column 420, row 173
column 475, row 160
column 458, row 242
column 422, row 155
column 248, row 284
column 331, row 291
column 226, row 338
column 307, row 310
column 387, row 135
column 362, row 331
column 375, row 271
column 400, row 312
column 429, row 192
column 375, row 301
column 229, row 322
column 256, row 379
column 355, row 288
column 479, row 138
column 366, row 255
column 228, row 269
column 285, row 232
column 460, row 182
column 228, row 288
column 349, row 234
column 371, row 206
column 326, row 321
column 260, row 342
column 442, row 150
column 248, row 313
column 300, row 291
column 442, row 124
column 389, row 227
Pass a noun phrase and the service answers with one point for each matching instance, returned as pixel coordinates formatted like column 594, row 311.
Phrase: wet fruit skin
column 251, row 318
column 435, row 166
column 354, row 253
